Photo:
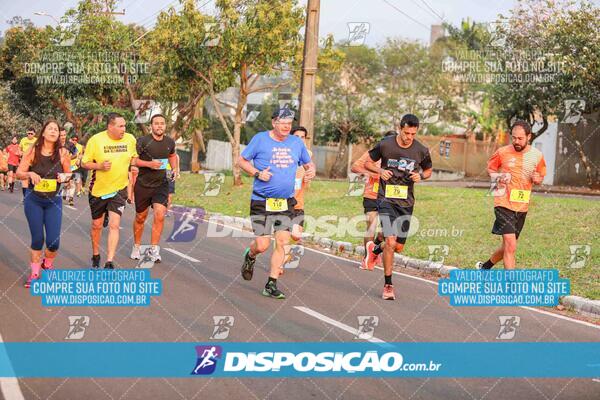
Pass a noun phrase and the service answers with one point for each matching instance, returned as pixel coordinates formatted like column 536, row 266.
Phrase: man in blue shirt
column 275, row 154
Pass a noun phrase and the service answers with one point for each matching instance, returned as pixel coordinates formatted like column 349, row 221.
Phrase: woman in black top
column 46, row 164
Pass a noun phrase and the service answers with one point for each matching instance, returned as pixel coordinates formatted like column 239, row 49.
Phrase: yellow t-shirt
column 25, row 144
column 102, row 148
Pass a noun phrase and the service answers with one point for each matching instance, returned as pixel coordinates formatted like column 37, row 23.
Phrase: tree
column 11, row 122
column 179, row 50
column 258, row 38
column 566, row 37
column 89, row 44
column 345, row 112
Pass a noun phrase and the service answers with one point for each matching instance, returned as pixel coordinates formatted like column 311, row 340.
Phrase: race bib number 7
column 45, row 186
column 276, row 205
column 520, row 196
column 396, row 191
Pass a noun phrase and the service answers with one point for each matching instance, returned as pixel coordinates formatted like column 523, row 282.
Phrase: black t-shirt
column 150, row 149
column 401, row 161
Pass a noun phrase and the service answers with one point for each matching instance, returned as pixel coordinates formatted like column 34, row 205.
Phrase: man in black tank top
column 404, row 162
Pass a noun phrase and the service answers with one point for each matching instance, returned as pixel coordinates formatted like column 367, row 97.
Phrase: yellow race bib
column 396, row 191
column 45, row 186
column 276, row 205
column 376, row 187
column 520, row 196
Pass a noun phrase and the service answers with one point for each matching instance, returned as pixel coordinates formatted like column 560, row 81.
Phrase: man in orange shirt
column 370, row 202
column 517, row 167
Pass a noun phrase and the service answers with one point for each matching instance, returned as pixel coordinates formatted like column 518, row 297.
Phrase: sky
column 408, row 19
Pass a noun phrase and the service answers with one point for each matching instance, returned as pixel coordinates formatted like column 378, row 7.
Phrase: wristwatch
column 256, row 174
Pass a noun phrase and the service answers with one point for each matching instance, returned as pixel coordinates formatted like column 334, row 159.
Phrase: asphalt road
column 201, row 279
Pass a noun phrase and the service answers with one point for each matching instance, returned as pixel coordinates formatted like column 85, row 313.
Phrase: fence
column 218, row 157
column 451, row 154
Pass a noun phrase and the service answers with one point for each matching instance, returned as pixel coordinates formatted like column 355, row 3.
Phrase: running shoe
column 271, row 290
column 96, row 261
column 248, row 266
column 155, row 254
column 362, row 265
column 71, row 202
column 109, row 265
column 47, row 267
column 370, row 257
column 479, row 265
column 388, row 292
column 135, row 252
column 35, row 274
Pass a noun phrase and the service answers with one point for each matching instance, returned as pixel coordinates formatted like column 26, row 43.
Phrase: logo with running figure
column 508, row 326
column 366, row 326
column 498, row 184
column 573, row 111
column 143, row 110
column 293, row 255
column 497, row 31
column 223, row 324
column 77, row 326
column 207, row 359
column 429, row 110
column 579, row 255
column 356, row 185
column 357, row 33
column 212, row 183
column 186, row 224
column 438, row 252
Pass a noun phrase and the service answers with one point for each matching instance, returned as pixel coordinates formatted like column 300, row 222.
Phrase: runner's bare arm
column 311, row 170
column 173, row 158
column 65, row 160
column 426, row 174
column 358, row 166
column 371, row 166
column 24, row 165
column 247, row 166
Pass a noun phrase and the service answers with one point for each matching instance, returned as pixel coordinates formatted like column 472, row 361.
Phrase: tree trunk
column 337, row 170
column 237, row 126
column 583, row 157
column 235, row 146
column 197, row 137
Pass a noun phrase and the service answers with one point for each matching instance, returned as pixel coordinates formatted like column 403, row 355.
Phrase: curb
column 581, row 305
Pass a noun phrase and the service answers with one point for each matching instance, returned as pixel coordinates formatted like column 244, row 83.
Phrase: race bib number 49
column 45, row 186
column 396, row 191
column 520, row 196
column 276, row 205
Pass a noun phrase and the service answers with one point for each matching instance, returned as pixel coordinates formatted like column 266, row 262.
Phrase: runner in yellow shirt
column 109, row 154
column 24, row 145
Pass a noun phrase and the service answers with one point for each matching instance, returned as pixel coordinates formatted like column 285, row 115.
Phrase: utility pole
column 309, row 68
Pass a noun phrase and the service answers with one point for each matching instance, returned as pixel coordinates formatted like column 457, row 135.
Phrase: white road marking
column 70, row 207
column 180, row 254
column 588, row 324
column 335, row 323
column 9, row 387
